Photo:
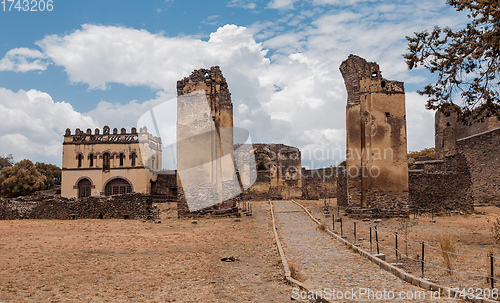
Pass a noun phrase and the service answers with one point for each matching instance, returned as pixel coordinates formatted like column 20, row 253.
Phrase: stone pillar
column 376, row 169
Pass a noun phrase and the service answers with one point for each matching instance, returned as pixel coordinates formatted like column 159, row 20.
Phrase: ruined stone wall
column 441, row 185
column 282, row 178
column 166, row 186
column 342, row 187
column 482, row 152
column 132, row 206
column 377, row 170
column 319, row 183
column 448, row 130
column 205, row 140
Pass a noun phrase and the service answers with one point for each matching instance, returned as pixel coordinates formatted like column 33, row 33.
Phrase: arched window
column 133, row 156
column 84, row 188
column 122, row 156
column 91, row 160
column 105, row 161
column 80, row 158
column 117, row 186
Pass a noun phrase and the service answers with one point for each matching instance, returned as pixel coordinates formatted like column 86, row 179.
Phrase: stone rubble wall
column 131, row 206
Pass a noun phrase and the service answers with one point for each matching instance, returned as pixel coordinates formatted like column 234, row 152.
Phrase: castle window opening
column 105, row 161
column 121, row 159
column 91, row 160
column 80, row 157
column 117, row 186
column 133, row 156
column 84, row 188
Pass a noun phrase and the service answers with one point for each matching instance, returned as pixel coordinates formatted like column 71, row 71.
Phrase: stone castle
column 375, row 181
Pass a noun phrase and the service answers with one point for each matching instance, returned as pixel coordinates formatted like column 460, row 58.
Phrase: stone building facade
column 377, row 170
column 109, row 163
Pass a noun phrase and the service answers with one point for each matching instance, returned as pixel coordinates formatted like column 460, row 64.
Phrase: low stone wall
column 132, row 206
column 319, row 183
column 447, row 188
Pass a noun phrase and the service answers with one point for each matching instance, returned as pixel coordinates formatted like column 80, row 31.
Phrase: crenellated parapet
column 107, row 136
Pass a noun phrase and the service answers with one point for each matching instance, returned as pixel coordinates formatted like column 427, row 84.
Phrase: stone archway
column 84, row 188
column 117, row 186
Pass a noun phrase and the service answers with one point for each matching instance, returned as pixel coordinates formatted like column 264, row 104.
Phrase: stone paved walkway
column 325, row 264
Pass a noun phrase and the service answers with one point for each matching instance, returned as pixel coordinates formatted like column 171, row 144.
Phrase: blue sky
column 87, row 64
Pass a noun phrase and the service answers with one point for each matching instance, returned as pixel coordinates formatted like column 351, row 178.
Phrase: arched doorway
column 117, row 186
column 84, row 188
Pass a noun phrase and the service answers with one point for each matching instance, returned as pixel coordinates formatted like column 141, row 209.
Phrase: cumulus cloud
column 33, row 125
column 23, row 60
column 293, row 94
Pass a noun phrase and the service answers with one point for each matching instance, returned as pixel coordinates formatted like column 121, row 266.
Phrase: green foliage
column 51, row 172
column 6, row 161
column 466, row 62
column 22, row 179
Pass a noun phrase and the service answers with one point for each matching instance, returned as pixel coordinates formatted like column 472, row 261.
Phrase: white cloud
column 281, row 4
column 23, row 60
column 242, row 4
column 33, row 125
column 295, row 96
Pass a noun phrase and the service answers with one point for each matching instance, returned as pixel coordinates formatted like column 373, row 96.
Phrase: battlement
column 87, row 137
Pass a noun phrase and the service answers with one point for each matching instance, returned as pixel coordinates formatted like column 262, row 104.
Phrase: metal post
column 354, row 232
column 376, row 240
column 333, row 222
column 423, row 253
column 492, row 277
column 341, row 228
column 370, row 239
column 396, row 234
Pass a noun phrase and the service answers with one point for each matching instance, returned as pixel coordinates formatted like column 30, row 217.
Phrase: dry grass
column 131, row 261
column 322, row 227
column 294, row 273
column 471, row 233
column 447, row 244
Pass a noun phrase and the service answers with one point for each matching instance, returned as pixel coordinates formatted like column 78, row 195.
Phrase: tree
column 466, row 62
column 6, row 161
column 51, row 172
column 21, row 179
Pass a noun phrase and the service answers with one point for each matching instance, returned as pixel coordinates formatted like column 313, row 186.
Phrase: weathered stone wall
column 319, row 183
column 377, row 170
column 342, row 187
column 205, row 140
column 441, row 185
column 165, row 186
column 448, row 130
column 282, row 178
column 132, row 206
column 482, row 152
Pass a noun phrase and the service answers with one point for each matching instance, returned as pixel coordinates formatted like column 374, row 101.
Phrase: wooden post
column 354, row 232
column 376, row 240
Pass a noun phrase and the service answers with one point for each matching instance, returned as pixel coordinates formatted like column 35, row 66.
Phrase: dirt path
column 325, row 265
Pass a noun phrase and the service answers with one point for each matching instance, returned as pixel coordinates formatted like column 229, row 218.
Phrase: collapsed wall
column 319, row 183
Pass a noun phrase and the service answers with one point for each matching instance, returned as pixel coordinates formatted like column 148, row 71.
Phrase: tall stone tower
column 205, row 160
column 377, row 170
